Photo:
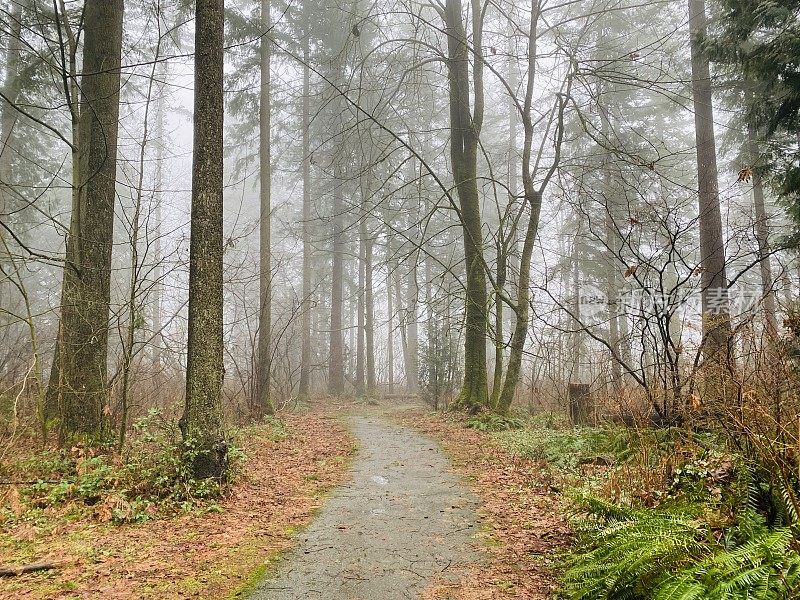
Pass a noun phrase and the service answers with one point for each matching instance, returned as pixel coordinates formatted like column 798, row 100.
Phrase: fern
column 638, row 554
column 489, row 422
column 628, row 553
column 764, row 568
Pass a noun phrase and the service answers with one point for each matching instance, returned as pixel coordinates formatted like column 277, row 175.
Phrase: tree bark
column 360, row 317
column 201, row 423
column 52, row 404
column 369, row 316
column 464, row 134
column 762, row 237
column 714, row 281
column 390, row 333
column 8, row 122
column 263, row 402
column 336, row 358
column 158, row 197
column 87, row 273
column 304, row 389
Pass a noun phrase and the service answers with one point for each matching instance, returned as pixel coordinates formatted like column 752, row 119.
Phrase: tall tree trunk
column 336, row 350
column 464, row 134
column 390, row 334
column 52, row 404
column 611, row 247
column 402, row 321
column 412, row 374
column 714, row 281
column 500, row 280
column 87, row 280
column 263, row 402
column 369, row 314
column 304, row 388
column 360, row 317
column 8, row 122
column 158, row 196
column 532, row 201
column 201, row 423
column 762, row 236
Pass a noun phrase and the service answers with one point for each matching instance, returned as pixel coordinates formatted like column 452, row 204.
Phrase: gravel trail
column 403, row 520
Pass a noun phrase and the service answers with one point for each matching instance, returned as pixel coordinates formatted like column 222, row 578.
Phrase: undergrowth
column 149, row 479
column 665, row 514
column 489, row 422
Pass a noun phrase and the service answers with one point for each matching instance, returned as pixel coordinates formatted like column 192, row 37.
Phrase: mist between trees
column 218, row 211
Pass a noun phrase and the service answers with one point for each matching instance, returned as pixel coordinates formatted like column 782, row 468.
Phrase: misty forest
column 359, row 299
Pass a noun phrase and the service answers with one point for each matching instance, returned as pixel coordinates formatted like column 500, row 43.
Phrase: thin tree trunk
column 8, row 122
column 412, row 374
column 402, row 318
column 135, row 268
column 369, row 314
column 336, row 357
column 263, row 404
column 158, row 196
column 304, row 390
column 73, row 98
column 87, row 281
column 762, row 237
column 201, row 423
column 390, row 334
column 533, row 200
column 360, row 318
column 500, row 280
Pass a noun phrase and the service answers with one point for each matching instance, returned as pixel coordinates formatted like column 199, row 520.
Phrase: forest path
column 403, row 520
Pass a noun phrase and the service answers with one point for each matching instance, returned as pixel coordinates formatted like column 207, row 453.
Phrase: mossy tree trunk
column 533, row 203
column 83, row 352
column 465, row 127
column 201, row 423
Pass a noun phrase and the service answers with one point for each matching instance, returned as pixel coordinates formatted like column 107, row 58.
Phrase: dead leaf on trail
column 519, row 516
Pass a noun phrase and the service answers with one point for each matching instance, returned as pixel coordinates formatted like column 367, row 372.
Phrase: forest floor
column 429, row 509
column 214, row 554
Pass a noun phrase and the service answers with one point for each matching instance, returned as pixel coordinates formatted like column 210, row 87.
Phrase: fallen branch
column 34, row 482
column 31, row 568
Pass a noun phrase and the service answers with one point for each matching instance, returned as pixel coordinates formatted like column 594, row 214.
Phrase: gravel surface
column 403, row 520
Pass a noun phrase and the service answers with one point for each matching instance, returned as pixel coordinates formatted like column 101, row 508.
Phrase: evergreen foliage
column 627, row 554
column 759, row 42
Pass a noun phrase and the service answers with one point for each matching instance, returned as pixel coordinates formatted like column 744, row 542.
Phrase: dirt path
column 404, row 520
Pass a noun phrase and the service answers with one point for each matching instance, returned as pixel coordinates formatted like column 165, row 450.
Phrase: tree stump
column 580, row 403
